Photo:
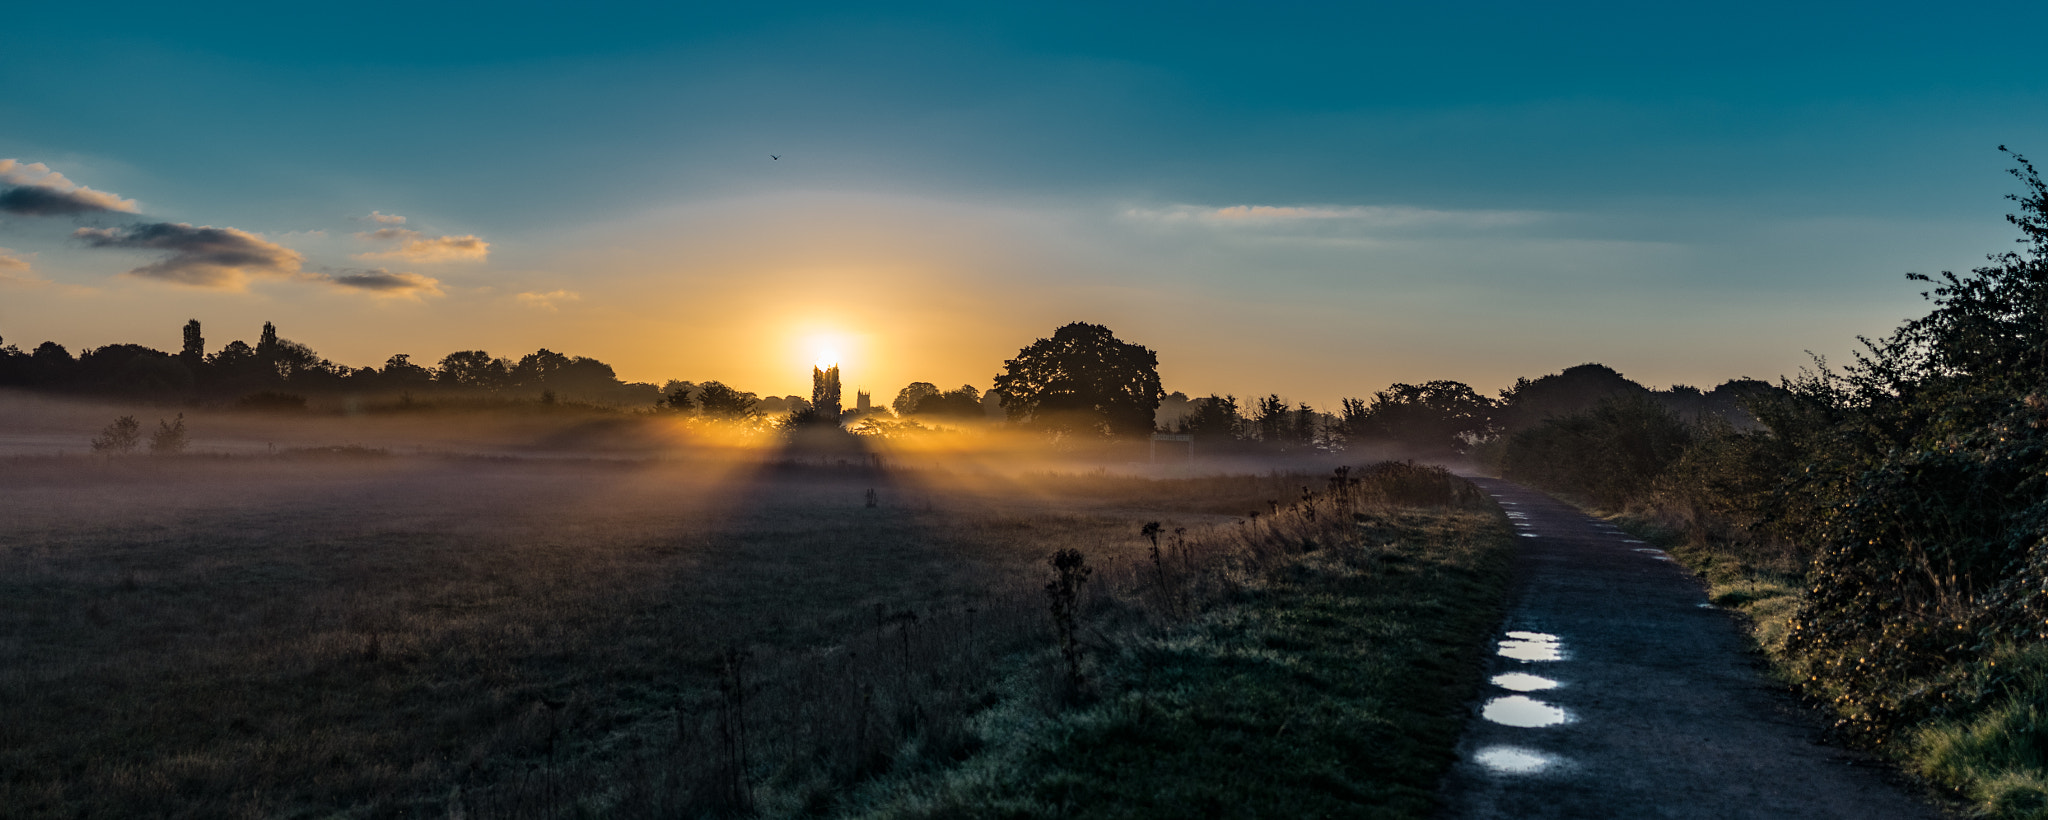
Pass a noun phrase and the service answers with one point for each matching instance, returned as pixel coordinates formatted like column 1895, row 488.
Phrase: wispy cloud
column 18, row 272
column 206, row 257
column 1362, row 219
column 418, row 247
column 550, row 300
column 385, row 283
column 385, row 219
column 32, row 189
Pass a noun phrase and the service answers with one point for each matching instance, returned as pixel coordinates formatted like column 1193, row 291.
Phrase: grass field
column 362, row 635
column 1332, row 683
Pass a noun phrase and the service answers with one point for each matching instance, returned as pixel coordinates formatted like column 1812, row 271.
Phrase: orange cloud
column 548, row 300
column 417, row 247
column 385, row 219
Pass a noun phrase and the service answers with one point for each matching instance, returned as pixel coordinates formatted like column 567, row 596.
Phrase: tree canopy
column 1083, row 380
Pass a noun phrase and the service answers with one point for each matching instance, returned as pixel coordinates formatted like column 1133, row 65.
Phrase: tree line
column 1081, row 381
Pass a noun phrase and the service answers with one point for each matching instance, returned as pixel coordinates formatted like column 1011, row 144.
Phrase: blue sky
column 1278, row 198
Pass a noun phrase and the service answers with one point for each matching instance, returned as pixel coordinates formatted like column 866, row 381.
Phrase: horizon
column 1313, row 208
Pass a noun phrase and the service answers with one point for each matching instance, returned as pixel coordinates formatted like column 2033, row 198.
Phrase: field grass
column 358, row 635
column 1330, row 683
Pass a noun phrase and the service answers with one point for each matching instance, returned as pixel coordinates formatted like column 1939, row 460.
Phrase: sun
column 828, row 358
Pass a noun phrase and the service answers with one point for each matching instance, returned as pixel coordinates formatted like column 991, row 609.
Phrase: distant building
column 862, row 402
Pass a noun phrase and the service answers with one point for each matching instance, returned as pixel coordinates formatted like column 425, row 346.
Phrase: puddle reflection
column 1523, row 711
column 1523, row 682
column 1531, row 646
column 1514, row 760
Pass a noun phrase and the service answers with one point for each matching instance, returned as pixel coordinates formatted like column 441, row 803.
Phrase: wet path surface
column 1618, row 692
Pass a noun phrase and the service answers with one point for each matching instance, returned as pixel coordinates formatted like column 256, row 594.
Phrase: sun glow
column 827, row 358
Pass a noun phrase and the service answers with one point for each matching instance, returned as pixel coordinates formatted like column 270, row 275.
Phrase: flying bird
column 772, row 156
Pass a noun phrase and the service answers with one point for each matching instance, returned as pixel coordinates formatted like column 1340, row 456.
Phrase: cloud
column 549, row 299
column 385, row 219
column 206, row 256
column 35, row 190
column 418, row 247
column 385, row 283
column 1335, row 218
column 16, row 272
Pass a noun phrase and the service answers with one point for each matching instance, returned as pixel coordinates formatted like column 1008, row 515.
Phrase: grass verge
column 1987, row 747
column 1332, row 683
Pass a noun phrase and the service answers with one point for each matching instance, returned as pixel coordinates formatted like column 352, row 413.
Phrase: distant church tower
column 861, row 403
column 825, row 393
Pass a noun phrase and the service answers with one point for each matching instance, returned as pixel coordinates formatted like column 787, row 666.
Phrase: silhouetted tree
column 1575, row 390
column 1307, row 426
column 50, row 364
column 399, row 371
column 910, row 397
column 1082, row 380
column 675, row 397
column 1213, row 419
column 537, row 369
column 1270, row 419
column 1171, row 409
column 589, row 378
column 963, row 403
column 722, row 402
column 14, row 365
column 194, row 352
column 1433, row 418
column 825, row 395
column 473, row 369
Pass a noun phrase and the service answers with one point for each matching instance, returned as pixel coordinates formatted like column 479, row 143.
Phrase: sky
column 1277, row 198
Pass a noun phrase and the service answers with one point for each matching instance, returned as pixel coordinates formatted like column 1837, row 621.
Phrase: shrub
column 119, row 437
column 169, row 438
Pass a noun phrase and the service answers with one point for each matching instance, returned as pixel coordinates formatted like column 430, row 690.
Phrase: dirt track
column 1619, row 692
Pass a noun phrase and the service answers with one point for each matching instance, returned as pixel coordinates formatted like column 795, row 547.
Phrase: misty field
column 348, row 632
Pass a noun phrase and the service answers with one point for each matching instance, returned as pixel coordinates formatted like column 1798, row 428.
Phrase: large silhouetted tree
column 910, row 397
column 825, row 394
column 1575, row 390
column 195, row 344
column 1083, row 380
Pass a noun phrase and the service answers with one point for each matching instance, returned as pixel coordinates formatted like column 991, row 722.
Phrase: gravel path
column 1619, row 692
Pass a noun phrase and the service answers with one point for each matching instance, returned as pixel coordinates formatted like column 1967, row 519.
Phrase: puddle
column 1630, row 541
column 1530, row 535
column 1523, row 711
column 1657, row 554
column 1513, row 760
column 1523, row 682
column 1704, row 605
column 1531, row 646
